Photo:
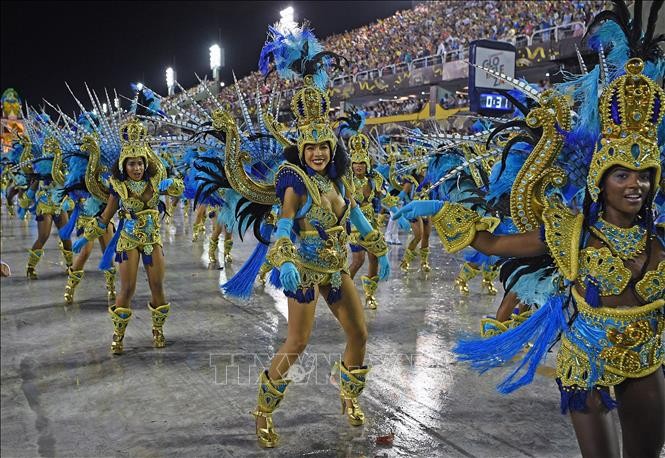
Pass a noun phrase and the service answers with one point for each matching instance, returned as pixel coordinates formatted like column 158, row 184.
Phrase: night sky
column 110, row 44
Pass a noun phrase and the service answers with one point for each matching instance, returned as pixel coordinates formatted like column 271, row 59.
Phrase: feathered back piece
column 297, row 53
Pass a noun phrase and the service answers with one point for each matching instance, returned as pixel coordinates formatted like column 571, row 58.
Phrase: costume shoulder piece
column 563, row 230
column 290, row 175
column 119, row 187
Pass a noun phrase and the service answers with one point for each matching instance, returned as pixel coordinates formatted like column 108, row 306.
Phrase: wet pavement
column 64, row 394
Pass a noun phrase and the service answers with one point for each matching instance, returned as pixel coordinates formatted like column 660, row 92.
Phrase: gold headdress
column 134, row 137
column 631, row 108
column 359, row 149
column 310, row 106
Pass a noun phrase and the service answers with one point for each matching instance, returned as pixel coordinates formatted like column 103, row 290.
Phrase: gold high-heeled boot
column 271, row 393
column 489, row 274
column 110, row 283
column 120, row 317
column 466, row 273
column 263, row 272
column 68, row 255
column 159, row 315
column 33, row 259
column 370, row 284
column 352, row 383
column 409, row 255
column 424, row 260
column 212, row 250
column 73, row 279
column 199, row 230
column 228, row 244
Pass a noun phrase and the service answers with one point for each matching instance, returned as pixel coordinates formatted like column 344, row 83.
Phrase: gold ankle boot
column 406, row 260
column 424, row 260
column 199, row 230
column 73, row 279
column 489, row 274
column 370, row 284
column 263, row 272
column 159, row 315
column 228, row 244
column 120, row 317
column 271, row 393
column 352, row 383
column 33, row 259
column 68, row 255
column 466, row 273
column 212, row 251
column 110, row 283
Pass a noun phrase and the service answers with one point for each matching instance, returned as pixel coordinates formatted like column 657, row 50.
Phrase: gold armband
column 282, row 251
column 176, row 188
column 390, row 201
column 457, row 226
column 93, row 230
column 374, row 243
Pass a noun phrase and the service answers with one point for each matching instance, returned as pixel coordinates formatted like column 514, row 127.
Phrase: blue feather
column 65, row 232
column 109, row 253
column 541, row 329
column 241, row 284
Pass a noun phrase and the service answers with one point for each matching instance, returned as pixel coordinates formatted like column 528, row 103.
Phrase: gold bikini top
column 130, row 199
column 600, row 266
column 359, row 184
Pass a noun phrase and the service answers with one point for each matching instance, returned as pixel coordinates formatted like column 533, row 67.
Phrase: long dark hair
column 336, row 168
column 149, row 171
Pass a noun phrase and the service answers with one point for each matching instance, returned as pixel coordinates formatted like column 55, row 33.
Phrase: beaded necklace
column 324, row 183
column 625, row 242
column 137, row 187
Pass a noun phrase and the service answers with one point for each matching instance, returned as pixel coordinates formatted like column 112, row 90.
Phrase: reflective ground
column 64, row 394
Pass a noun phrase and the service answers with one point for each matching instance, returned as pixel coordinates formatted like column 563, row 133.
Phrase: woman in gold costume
column 137, row 182
column 610, row 267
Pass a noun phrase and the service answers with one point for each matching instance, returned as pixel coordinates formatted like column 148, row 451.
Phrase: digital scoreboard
column 484, row 97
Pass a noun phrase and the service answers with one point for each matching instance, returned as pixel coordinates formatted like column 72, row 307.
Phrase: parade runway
column 64, row 394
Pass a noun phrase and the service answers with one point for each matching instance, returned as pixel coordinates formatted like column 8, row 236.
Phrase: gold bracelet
column 93, row 230
column 457, row 226
column 374, row 243
column 282, row 251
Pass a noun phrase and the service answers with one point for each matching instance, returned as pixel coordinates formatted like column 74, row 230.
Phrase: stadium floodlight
column 105, row 108
column 116, row 102
column 222, row 84
column 215, row 60
column 170, row 80
column 139, row 86
column 286, row 22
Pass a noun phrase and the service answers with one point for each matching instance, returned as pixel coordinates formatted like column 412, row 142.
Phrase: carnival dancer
column 368, row 191
column 609, row 259
column 421, row 227
column 89, row 200
column 44, row 191
column 138, row 179
column 316, row 207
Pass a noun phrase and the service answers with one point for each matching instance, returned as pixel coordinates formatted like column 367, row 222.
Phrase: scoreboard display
column 484, row 97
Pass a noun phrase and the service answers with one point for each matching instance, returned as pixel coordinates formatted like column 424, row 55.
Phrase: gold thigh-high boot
column 228, row 244
column 424, row 260
column 352, row 383
column 120, row 317
column 466, row 273
column 68, row 255
column 271, row 393
column 159, row 315
column 199, row 230
column 33, row 259
column 369, row 286
column 489, row 274
column 409, row 255
column 73, row 279
column 110, row 283
column 212, row 250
